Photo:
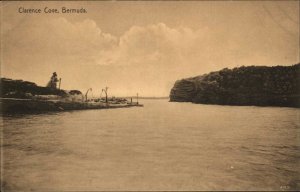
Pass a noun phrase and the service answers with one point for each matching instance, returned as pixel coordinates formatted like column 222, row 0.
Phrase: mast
column 105, row 91
column 90, row 89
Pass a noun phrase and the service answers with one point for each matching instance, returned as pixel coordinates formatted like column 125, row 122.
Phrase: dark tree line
column 252, row 85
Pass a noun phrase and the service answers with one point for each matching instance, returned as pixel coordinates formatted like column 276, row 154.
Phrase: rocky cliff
column 252, row 85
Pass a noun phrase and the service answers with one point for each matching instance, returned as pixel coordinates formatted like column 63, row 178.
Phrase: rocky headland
column 251, row 85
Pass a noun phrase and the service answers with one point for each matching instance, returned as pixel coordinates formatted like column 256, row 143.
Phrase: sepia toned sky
column 144, row 46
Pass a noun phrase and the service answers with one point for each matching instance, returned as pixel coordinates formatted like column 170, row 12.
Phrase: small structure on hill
column 53, row 81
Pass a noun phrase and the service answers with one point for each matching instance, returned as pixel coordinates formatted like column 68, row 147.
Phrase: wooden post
column 106, row 94
column 59, row 83
column 105, row 91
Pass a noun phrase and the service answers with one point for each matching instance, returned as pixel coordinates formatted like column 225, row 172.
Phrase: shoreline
column 16, row 105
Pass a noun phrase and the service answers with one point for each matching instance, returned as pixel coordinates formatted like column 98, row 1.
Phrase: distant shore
column 148, row 97
column 24, row 96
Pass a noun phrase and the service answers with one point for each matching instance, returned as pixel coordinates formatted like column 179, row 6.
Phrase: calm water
column 162, row 146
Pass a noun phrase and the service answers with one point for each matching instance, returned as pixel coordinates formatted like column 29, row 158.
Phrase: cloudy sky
column 144, row 46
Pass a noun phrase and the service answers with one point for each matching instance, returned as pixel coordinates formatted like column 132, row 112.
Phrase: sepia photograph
column 150, row 95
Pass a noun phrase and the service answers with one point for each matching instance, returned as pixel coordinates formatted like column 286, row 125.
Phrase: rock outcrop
column 25, row 89
column 253, row 85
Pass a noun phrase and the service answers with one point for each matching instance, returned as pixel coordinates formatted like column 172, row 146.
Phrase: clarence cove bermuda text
column 50, row 10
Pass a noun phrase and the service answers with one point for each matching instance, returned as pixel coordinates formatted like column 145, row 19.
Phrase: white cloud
column 58, row 37
column 146, row 58
column 155, row 44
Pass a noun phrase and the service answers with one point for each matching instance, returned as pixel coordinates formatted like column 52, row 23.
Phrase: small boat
column 136, row 104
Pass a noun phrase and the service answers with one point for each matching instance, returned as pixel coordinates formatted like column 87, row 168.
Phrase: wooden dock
column 15, row 105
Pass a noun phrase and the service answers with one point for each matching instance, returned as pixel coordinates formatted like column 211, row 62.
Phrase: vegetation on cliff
column 25, row 89
column 252, row 85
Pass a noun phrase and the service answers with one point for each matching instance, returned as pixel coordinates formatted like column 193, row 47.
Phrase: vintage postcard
column 150, row 96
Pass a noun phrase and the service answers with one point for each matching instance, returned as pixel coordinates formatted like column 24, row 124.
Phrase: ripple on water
column 162, row 146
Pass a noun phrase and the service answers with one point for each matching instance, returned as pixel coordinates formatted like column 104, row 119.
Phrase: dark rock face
column 183, row 90
column 253, row 85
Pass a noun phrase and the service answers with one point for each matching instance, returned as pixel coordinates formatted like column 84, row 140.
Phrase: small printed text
column 49, row 10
